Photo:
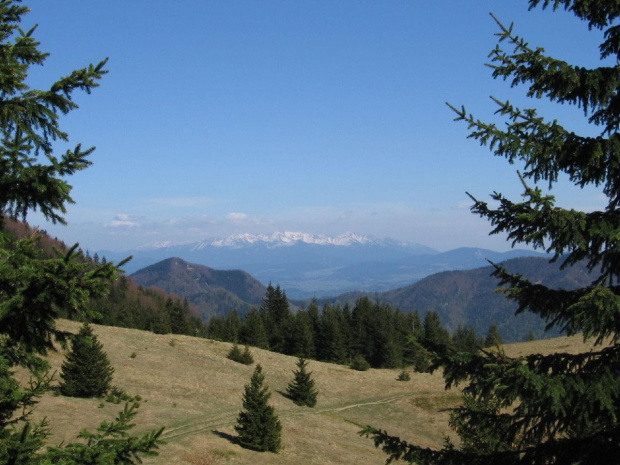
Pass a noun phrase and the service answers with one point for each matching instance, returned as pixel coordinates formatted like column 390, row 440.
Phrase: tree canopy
column 34, row 288
column 557, row 408
column 258, row 425
column 301, row 389
column 86, row 371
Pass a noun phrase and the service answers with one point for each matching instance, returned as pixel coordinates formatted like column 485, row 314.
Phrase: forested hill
column 471, row 297
column 213, row 292
column 127, row 304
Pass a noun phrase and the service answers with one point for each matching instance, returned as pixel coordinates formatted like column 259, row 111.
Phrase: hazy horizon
column 219, row 118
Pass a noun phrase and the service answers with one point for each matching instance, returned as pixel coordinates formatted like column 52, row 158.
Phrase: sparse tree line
column 87, row 373
column 258, row 425
column 148, row 309
column 370, row 331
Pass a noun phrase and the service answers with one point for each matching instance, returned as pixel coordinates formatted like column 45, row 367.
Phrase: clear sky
column 222, row 117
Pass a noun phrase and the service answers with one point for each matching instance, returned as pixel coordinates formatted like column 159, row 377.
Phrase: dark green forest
column 384, row 337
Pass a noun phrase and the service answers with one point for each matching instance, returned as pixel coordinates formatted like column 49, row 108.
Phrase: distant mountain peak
column 286, row 238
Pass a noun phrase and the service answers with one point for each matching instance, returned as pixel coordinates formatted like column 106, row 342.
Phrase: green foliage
column 116, row 395
column 110, row 444
column 258, row 425
column 493, row 338
column 36, row 286
column 435, row 336
column 302, row 339
column 376, row 332
column 466, row 340
column 244, row 357
column 404, row 376
column 301, row 389
column 421, row 358
column 86, row 371
column 127, row 305
column 359, row 363
column 234, row 353
column 277, row 318
column 253, row 331
column 479, row 437
column 556, row 408
column 331, row 340
column 31, row 178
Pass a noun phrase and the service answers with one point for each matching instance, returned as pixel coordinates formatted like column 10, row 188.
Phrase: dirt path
column 230, row 418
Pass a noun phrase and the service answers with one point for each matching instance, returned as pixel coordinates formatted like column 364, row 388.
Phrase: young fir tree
column 301, row 389
column 244, row 357
column 258, row 425
column 554, row 408
column 34, row 288
column 86, row 372
column 493, row 338
column 253, row 332
column 277, row 318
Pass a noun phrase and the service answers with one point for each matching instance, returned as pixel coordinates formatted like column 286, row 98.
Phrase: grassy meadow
column 191, row 388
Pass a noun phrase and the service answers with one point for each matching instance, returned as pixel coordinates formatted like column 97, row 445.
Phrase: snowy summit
column 287, row 238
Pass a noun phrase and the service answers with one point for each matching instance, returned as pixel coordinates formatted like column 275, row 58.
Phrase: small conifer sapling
column 302, row 389
column 258, row 425
column 86, row 372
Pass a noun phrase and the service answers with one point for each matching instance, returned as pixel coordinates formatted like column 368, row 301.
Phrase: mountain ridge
column 471, row 297
column 288, row 238
column 213, row 292
column 309, row 265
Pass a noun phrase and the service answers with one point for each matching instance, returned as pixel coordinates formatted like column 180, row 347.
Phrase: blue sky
column 222, row 117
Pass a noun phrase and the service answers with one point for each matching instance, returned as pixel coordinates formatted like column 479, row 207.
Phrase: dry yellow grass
column 194, row 391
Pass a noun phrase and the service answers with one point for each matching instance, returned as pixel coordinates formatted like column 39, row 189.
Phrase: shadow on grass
column 284, row 394
column 235, row 440
column 228, row 437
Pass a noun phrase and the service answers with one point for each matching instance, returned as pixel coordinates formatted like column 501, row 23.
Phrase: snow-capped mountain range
column 281, row 239
column 287, row 238
column 306, row 264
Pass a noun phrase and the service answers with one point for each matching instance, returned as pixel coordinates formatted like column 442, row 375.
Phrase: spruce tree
column 301, row 389
column 35, row 288
column 258, row 425
column 435, row 335
column 493, row 337
column 331, row 342
column 277, row 318
column 466, row 340
column 244, row 357
column 301, row 342
column 234, row 353
column 252, row 330
column 557, row 408
column 86, row 372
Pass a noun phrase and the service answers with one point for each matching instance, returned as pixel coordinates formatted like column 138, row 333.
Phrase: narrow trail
column 230, row 418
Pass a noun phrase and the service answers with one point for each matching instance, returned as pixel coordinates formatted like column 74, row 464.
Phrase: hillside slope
column 213, row 292
column 471, row 297
column 190, row 387
column 127, row 304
